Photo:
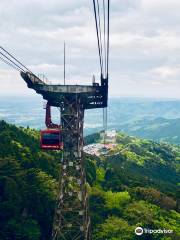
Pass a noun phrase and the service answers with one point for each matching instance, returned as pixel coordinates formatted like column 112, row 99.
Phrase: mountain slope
column 157, row 164
column 159, row 129
column 135, row 185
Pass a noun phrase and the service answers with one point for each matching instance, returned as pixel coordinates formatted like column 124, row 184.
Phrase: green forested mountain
column 136, row 184
column 158, row 129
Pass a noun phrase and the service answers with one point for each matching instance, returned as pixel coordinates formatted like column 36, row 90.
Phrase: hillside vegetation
column 135, row 185
column 158, row 129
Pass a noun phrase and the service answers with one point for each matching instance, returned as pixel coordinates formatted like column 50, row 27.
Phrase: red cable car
column 51, row 138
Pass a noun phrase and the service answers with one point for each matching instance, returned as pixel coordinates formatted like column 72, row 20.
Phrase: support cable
column 100, row 35
column 103, row 46
column 97, row 32
column 11, row 61
column 108, row 23
column 103, row 41
column 15, row 59
column 10, row 64
column 107, row 59
column 105, row 54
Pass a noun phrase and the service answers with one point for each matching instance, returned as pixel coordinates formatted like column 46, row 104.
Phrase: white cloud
column 167, row 72
column 144, row 53
column 11, row 83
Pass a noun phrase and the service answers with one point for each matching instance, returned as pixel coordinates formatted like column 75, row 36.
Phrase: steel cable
column 15, row 59
column 97, row 32
column 10, row 64
column 11, row 61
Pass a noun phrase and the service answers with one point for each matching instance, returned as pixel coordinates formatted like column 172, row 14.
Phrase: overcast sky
column 144, row 44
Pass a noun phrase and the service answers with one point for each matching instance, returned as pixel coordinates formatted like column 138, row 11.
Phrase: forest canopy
column 135, row 187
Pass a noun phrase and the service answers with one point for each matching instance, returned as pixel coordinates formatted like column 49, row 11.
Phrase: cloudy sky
column 144, row 44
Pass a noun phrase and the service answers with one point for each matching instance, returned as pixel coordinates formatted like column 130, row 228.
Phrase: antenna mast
column 64, row 63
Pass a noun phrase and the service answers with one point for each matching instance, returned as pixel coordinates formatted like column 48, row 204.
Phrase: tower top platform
column 92, row 96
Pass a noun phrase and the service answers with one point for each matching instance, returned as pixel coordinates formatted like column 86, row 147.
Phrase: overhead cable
column 15, row 59
column 102, row 38
column 5, row 56
column 10, row 64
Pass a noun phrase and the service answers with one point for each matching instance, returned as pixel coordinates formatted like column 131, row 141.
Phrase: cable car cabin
column 51, row 139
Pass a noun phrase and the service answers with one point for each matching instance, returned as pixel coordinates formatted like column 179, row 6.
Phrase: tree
column 114, row 229
column 116, row 200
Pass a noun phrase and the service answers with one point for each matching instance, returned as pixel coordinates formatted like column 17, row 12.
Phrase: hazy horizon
column 37, row 96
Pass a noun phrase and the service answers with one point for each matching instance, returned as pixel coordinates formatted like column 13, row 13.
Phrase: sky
column 144, row 45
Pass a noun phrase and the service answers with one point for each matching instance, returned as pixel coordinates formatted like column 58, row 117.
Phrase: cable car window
column 50, row 138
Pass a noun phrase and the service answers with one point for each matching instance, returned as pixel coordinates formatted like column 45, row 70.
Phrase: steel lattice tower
column 71, row 220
